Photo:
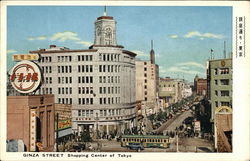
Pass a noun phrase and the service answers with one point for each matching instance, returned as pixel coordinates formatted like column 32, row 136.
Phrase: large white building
column 99, row 82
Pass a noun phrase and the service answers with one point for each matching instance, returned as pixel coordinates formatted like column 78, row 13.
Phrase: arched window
column 98, row 31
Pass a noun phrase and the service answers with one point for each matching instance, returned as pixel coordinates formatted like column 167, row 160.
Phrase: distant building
column 200, row 86
column 187, row 91
column 147, row 81
column 98, row 82
column 219, row 78
column 172, row 91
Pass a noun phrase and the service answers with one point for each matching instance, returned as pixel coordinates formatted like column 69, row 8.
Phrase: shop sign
column 25, row 76
column 63, row 124
column 32, row 130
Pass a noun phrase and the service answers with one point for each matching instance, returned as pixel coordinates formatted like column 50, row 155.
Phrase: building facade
column 173, row 90
column 220, row 83
column 200, row 86
column 99, row 82
column 168, row 91
column 220, row 94
column 39, row 133
column 147, row 82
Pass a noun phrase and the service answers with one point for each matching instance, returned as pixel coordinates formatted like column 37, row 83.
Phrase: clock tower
column 105, row 31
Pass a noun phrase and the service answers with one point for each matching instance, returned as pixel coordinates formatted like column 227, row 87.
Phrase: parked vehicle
column 135, row 146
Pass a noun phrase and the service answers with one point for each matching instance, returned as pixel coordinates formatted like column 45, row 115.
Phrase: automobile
column 135, row 146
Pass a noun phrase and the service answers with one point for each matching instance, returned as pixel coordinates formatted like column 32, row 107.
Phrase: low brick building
column 31, row 119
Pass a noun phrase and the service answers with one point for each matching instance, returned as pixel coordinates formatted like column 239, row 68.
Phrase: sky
column 183, row 36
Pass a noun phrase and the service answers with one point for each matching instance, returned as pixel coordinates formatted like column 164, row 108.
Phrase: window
column 216, row 71
column 224, row 81
column 100, row 68
column 216, row 93
column 104, row 57
column 224, row 93
column 145, row 74
column 145, row 69
column 104, row 68
column 112, row 68
column 104, row 100
column 70, row 69
column 224, row 71
column 87, row 68
column 225, row 104
column 100, row 79
column 216, row 82
column 108, row 68
column 90, row 68
column 83, row 113
column 62, row 69
column 50, row 69
column 79, row 112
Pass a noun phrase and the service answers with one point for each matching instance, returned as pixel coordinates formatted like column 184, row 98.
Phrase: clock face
column 223, row 63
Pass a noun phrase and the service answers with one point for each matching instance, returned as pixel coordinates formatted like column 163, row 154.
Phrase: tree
column 85, row 136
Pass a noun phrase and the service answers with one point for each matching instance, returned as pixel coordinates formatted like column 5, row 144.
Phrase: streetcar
column 147, row 141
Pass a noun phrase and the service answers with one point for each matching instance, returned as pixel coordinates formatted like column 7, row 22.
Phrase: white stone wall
column 126, row 97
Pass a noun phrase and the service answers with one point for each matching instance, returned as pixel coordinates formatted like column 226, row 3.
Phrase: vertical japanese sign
column 240, row 36
column 32, row 130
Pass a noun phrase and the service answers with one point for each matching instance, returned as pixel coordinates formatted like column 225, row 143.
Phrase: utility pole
column 177, row 142
column 224, row 50
column 57, row 140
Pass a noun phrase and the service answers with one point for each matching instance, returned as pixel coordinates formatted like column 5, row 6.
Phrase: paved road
column 176, row 121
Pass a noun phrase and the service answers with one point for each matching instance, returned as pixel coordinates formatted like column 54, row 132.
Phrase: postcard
column 125, row 80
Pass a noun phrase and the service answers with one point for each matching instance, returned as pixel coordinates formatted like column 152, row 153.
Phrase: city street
column 174, row 122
